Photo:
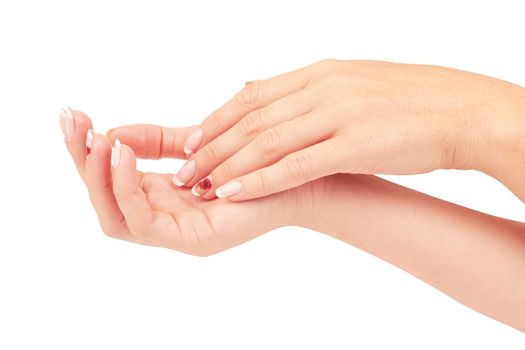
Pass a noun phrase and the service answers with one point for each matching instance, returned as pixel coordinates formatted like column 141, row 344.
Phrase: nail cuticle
column 193, row 142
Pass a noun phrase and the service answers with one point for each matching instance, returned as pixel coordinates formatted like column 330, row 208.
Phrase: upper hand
column 347, row 116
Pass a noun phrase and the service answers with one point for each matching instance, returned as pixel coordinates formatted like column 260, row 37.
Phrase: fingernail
column 67, row 122
column 115, row 153
column 185, row 173
column 89, row 142
column 202, row 186
column 193, row 142
column 228, row 189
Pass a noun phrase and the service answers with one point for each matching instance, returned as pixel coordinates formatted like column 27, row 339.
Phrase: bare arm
column 475, row 258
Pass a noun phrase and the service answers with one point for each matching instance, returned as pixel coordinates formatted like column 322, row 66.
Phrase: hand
column 350, row 117
column 149, row 209
column 397, row 224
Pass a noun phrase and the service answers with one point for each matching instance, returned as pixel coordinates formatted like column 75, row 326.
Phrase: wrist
column 328, row 203
column 307, row 202
column 504, row 149
column 490, row 136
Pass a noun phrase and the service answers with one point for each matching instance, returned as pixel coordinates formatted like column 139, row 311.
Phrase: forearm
column 475, row 258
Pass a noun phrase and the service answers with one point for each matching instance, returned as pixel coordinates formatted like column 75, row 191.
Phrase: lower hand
column 149, row 209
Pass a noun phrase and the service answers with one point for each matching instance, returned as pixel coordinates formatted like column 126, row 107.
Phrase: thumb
column 153, row 141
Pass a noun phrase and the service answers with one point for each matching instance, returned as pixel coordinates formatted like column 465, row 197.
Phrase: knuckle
column 252, row 123
column 327, row 62
column 333, row 79
column 325, row 66
column 209, row 153
column 251, row 94
column 224, row 171
column 297, row 166
column 262, row 181
column 269, row 141
column 215, row 121
column 167, row 144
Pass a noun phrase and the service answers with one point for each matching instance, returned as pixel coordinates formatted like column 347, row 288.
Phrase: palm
column 189, row 223
column 148, row 208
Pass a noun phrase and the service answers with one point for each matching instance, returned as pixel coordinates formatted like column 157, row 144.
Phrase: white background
column 64, row 285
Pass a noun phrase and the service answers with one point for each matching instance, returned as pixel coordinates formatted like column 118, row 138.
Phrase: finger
column 100, row 187
column 291, row 171
column 269, row 147
column 153, row 141
column 75, row 125
column 239, row 135
column 149, row 226
column 253, row 96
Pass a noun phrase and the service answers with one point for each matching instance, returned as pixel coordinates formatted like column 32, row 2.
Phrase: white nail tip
column 194, row 190
column 89, row 139
column 67, row 122
column 67, row 113
column 115, row 153
column 177, row 182
column 228, row 189
column 219, row 193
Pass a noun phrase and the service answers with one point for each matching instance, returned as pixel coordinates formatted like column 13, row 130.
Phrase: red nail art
column 202, row 186
column 205, row 184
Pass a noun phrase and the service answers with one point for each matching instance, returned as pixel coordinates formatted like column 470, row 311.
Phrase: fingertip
column 127, row 156
column 128, row 134
column 109, row 134
column 102, row 140
column 99, row 150
column 98, row 161
column 124, row 172
column 82, row 120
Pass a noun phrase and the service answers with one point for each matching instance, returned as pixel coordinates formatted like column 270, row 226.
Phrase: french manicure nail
column 228, row 189
column 89, row 142
column 193, row 142
column 185, row 173
column 67, row 122
column 115, row 153
column 202, row 186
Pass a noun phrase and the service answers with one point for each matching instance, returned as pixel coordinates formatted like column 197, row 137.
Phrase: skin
column 147, row 208
column 475, row 258
column 366, row 117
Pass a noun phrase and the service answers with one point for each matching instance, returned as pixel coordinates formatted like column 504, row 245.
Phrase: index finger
column 152, row 141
